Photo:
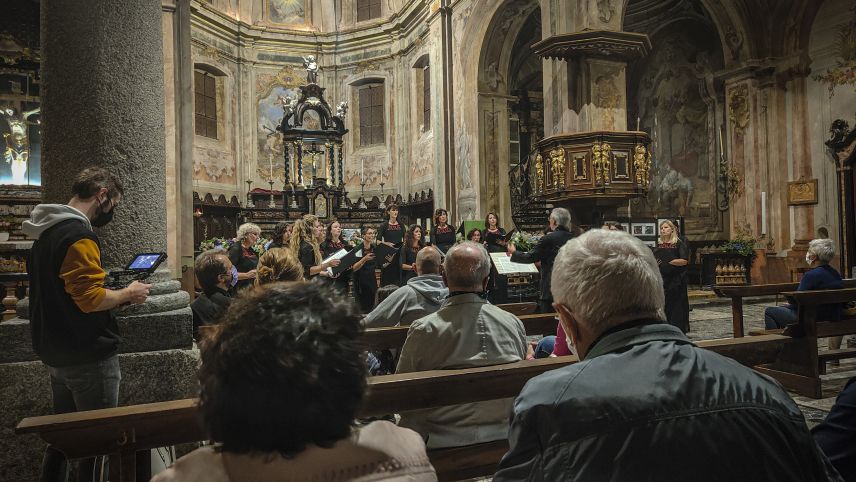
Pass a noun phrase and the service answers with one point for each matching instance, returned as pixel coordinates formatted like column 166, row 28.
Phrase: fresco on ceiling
column 287, row 12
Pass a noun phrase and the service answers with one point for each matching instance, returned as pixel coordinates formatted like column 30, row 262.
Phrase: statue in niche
column 605, row 11
column 17, row 153
column 311, row 66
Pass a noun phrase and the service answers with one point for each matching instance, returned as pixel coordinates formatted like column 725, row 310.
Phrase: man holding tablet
column 74, row 333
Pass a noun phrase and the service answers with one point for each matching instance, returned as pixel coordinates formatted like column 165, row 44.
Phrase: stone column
column 103, row 105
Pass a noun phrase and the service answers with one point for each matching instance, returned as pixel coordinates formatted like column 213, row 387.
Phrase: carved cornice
column 603, row 44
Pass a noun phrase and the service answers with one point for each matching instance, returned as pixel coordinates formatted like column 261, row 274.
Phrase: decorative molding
column 595, row 43
column 738, row 107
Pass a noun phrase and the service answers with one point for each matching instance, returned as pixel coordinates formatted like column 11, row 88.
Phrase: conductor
column 545, row 253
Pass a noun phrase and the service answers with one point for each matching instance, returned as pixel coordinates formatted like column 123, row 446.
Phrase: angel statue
column 342, row 109
column 311, row 69
column 17, row 151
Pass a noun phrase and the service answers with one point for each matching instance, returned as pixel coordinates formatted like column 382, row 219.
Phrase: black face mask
column 102, row 218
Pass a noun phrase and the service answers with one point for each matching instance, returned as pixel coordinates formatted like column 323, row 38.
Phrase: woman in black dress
column 365, row 281
column 281, row 235
column 413, row 242
column 492, row 235
column 673, row 258
column 391, row 233
column 305, row 246
column 332, row 244
column 442, row 233
column 242, row 256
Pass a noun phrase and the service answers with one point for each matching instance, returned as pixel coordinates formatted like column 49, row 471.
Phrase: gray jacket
column 647, row 404
column 421, row 296
column 466, row 332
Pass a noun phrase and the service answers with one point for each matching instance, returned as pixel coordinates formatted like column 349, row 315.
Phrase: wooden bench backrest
column 519, row 308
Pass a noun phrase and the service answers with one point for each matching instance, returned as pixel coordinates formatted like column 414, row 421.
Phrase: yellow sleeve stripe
column 83, row 276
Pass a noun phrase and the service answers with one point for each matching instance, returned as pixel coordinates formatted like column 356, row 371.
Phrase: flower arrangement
column 259, row 247
column 7, row 222
column 216, row 243
column 524, row 241
column 743, row 244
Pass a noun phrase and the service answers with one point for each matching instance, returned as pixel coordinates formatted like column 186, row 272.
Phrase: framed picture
column 802, row 192
column 643, row 229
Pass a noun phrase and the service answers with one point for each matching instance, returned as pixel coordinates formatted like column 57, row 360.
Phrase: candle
column 763, row 212
column 270, row 160
column 637, row 123
column 721, row 145
column 362, row 170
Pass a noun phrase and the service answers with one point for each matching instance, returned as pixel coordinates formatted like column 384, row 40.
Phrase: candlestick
column 362, row 203
column 250, row 203
column 272, row 200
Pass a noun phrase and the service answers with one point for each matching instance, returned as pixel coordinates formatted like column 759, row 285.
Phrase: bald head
column 466, row 267
column 427, row 261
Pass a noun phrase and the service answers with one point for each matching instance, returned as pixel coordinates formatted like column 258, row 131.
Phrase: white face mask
column 808, row 258
column 571, row 345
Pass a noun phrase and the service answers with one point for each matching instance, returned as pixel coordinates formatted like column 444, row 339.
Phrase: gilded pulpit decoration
column 738, row 108
column 642, row 163
column 539, row 173
column 600, row 162
column 580, row 167
column 557, row 160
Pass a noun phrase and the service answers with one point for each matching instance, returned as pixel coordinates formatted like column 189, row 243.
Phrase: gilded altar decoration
column 738, row 107
column 802, row 192
column 844, row 72
column 600, row 162
column 539, row 173
column 642, row 163
column 17, row 152
column 557, row 161
column 580, row 167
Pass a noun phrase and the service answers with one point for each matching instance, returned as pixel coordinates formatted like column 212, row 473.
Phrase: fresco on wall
column 674, row 106
column 270, row 145
column 288, row 12
column 844, row 70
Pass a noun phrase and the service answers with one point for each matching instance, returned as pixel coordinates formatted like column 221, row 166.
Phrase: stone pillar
column 103, row 105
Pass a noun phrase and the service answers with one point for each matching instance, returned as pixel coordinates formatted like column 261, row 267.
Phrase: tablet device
column 146, row 262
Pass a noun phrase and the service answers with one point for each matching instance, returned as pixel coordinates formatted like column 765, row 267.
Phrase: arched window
column 371, row 101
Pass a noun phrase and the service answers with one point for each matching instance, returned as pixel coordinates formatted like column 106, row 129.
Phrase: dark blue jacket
column 823, row 277
column 545, row 252
column 647, row 404
column 837, row 434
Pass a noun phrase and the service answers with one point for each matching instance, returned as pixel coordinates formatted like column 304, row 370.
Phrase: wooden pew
column 386, row 338
column 519, row 308
column 123, row 431
column 799, row 365
column 738, row 292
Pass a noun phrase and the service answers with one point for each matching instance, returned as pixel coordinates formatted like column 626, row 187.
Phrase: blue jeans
column 779, row 317
column 77, row 388
column 544, row 348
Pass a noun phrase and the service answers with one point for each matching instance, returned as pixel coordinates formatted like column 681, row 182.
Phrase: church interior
column 733, row 119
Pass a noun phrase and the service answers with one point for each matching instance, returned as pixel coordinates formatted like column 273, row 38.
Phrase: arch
column 211, row 69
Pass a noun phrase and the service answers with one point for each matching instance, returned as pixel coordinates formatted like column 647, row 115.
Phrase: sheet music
column 503, row 264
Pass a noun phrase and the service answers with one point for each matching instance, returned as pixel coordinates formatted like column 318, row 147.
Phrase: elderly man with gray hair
column 821, row 276
column 545, row 252
column 644, row 403
column 466, row 332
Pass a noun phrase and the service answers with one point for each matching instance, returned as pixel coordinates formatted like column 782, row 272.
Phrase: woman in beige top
column 280, row 385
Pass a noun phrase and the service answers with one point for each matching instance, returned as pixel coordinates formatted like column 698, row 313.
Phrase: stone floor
column 711, row 318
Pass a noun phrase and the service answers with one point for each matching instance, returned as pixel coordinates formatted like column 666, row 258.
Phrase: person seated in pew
column 278, row 264
column 837, row 434
column 421, row 295
column 279, row 387
column 466, row 332
column 382, row 362
column 644, row 403
column 216, row 276
column 822, row 276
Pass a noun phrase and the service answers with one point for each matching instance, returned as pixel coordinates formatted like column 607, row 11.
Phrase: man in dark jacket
column 74, row 333
column 545, row 252
column 216, row 275
column 837, row 434
column 644, row 403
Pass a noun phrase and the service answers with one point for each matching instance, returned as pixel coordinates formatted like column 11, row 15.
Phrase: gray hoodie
column 46, row 215
column 421, row 296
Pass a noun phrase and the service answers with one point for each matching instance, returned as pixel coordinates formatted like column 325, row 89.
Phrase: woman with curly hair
column 413, row 242
column 280, row 385
column 281, row 235
column 278, row 264
column 305, row 245
column 475, row 235
column 242, row 256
